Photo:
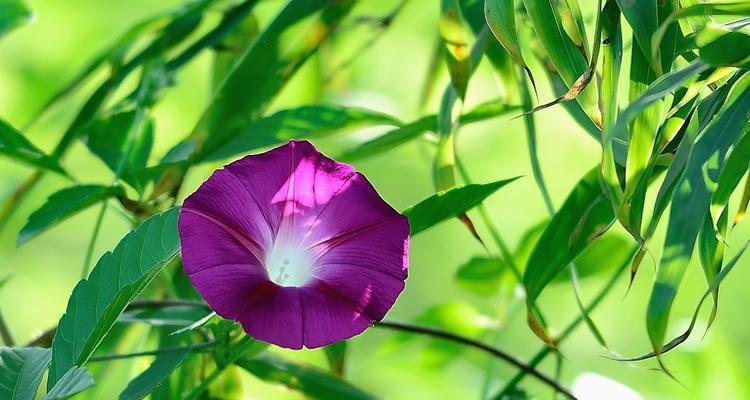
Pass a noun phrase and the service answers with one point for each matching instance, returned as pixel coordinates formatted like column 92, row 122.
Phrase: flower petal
column 206, row 244
column 275, row 317
column 328, row 320
column 228, row 289
column 382, row 247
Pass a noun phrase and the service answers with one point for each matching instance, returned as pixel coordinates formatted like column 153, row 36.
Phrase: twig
column 526, row 368
column 5, row 333
column 195, row 347
column 541, row 354
column 92, row 242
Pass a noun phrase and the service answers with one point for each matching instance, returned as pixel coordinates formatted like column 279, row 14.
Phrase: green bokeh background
column 38, row 59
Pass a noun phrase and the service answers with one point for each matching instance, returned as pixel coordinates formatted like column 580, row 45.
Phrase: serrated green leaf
column 448, row 204
column 480, row 275
column 313, row 382
column 690, row 203
column 75, row 381
column 62, row 205
column 162, row 367
column 14, row 145
column 117, row 279
column 311, row 121
column 583, row 217
column 21, row 371
column 13, row 13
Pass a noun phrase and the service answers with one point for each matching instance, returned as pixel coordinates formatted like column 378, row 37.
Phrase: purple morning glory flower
column 298, row 248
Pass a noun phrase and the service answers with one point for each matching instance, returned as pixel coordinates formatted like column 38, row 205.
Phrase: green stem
column 5, row 333
column 239, row 350
column 111, row 357
column 92, row 242
column 542, row 354
column 500, row 354
column 530, row 124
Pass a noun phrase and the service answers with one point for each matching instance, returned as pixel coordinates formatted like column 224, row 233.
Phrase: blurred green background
column 38, row 59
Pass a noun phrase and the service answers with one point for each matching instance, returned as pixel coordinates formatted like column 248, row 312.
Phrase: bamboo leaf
column 584, row 216
column 501, row 18
column 311, row 121
column 14, row 145
column 162, row 367
column 266, row 66
column 75, row 381
column 450, row 203
column 62, row 205
column 690, row 203
column 455, row 41
column 723, row 47
column 122, row 141
column 408, row 132
column 314, row 383
column 13, row 13
column 562, row 52
column 21, row 371
column 735, row 168
column 117, row 279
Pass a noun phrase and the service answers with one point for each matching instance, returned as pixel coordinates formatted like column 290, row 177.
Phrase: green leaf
column 723, row 47
column 266, row 66
column 481, row 275
column 311, row 121
column 336, row 356
column 162, row 367
column 313, row 382
column 705, row 10
column 232, row 48
column 122, row 141
column 660, row 88
column 690, row 203
column 449, row 203
column 62, row 205
column 12, row 14
column 21, row 371
column 175, row 316
column 14, row 145
column 562, row 52
column 115, row 281
column 601, row 256
column 643, row 18
column 75, row 381
column 730, row 176
column 584, row 216
column 453, row 32
column 408, row 132
column 501, row 18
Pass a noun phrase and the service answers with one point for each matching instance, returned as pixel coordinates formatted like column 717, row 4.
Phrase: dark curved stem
column 526, row 368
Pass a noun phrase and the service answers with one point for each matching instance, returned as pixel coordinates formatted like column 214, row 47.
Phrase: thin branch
column 5, row 333
column 526, row 368
column 542, row 354
column 195, row 347
column 92, row 242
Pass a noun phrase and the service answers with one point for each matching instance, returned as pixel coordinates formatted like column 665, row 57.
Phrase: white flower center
column 288, row 265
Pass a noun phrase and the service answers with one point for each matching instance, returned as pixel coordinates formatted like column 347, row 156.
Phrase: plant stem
column 239, row 350
column 111, row 357
column 526, row 368
column 92, row 242
column 569, row 329
column 5, row 333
